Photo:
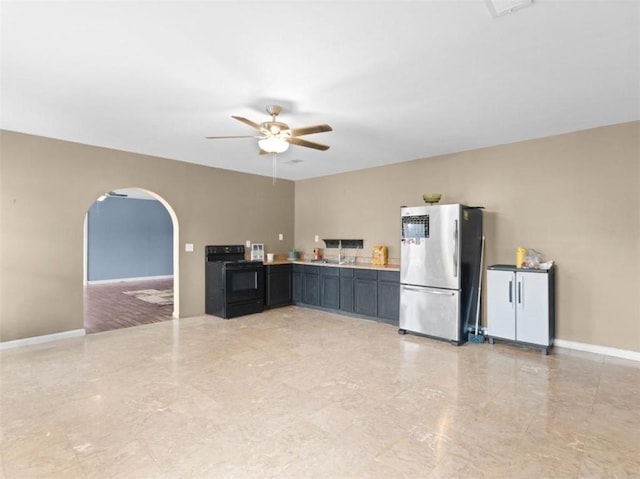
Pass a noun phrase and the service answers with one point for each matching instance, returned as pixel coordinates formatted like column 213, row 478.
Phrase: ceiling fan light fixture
column 276, row 136
column 273, row 145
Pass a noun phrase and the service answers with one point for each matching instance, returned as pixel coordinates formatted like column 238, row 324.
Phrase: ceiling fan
column 275, row 136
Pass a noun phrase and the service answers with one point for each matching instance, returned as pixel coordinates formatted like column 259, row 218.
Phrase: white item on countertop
column 257, row 252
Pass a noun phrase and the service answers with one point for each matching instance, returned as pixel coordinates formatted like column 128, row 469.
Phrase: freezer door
column 430, row 246
column 430, row 311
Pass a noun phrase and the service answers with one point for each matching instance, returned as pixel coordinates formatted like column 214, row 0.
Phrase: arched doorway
column 131, row 260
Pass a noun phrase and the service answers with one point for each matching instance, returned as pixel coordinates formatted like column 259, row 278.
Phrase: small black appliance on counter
column 233, row 286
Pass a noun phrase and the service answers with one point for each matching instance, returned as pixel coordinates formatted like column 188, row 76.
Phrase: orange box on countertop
column 379, row 256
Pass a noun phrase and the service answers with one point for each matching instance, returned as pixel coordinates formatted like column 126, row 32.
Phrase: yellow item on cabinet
column 520, row 252
column 379, row 256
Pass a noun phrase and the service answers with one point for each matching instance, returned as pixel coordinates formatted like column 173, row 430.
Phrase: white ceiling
column 397, row 80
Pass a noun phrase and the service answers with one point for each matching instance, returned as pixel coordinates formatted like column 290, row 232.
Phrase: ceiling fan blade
column 248, row 122
column 308, row 144
column 222, row 137
column 308, row 130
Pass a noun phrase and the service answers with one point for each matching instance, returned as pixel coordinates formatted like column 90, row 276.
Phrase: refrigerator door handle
column 422, row 290
column 455, row 250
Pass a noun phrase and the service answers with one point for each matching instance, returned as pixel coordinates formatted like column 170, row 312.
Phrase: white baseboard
column 124, row 280
column 594, row 348
column 16, row 343
column 560, row 343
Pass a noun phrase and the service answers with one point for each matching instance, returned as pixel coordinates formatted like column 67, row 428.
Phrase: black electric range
column 234, row 286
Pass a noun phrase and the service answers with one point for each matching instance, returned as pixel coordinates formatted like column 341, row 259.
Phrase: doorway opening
column 131, row 270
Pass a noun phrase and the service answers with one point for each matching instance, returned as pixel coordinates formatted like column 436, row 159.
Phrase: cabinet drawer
column 392, row 276
column 346, row 272
column 430, row 311
column 311, row 269
column 329, row 271
column 278, row 268
column 370, row 274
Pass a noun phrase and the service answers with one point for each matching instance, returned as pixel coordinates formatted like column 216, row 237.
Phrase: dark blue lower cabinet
column 366, row 292
column 330, row 288
column 347, row 290
column 298, row 273
column 278, row 285
column 311, row 285
column 389, row 296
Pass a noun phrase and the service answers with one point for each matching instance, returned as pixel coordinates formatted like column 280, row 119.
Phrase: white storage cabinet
column 521, row 306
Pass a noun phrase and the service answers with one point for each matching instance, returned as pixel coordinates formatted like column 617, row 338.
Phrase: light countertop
column 389, row 267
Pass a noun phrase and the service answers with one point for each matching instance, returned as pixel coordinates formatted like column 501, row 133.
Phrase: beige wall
column 573, row 197
column 46, row 187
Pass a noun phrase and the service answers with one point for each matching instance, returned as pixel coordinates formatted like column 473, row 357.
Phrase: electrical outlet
column 317, row 238
column 188, row 247
column 248, row 243
column 280, row 236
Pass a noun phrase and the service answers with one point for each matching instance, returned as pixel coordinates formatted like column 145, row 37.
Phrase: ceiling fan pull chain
column 275, row 163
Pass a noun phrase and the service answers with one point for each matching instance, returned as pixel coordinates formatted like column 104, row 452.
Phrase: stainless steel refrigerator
column 440, row 255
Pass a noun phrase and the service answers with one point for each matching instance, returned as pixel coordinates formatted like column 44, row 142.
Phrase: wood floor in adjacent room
column 299, row 393
column 107, row 307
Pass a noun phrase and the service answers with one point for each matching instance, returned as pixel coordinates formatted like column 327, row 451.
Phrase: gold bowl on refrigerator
column 431, row 197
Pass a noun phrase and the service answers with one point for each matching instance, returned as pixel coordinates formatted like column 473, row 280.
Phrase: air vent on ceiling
column 499, row 8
